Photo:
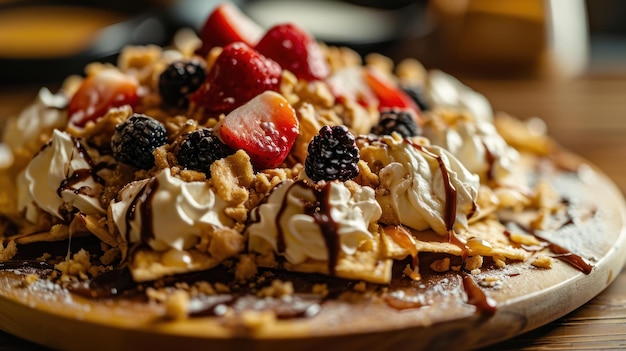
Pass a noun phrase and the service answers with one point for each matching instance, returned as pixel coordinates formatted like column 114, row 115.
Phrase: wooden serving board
column 441, row 317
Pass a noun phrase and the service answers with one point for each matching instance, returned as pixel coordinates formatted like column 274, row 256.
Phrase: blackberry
column 180, row 79
column 333, row 154
column 399, row 121
column 135, row 140
column 200, row 149
column 418, row 95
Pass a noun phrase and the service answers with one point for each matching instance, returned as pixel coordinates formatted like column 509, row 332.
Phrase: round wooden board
column 526, row 297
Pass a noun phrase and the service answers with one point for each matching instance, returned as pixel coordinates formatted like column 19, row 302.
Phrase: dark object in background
column 71, row 41
column 45, row 41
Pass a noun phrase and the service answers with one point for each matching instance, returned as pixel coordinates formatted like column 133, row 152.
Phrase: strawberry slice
column 225, row 25
column 266, row 128
column 349, row 84
column 295, row 50
column 100, row 92
column 238, row 74
column 387, row 92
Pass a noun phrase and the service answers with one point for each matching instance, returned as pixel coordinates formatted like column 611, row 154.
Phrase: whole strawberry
column 238, row 74
column 295, row 50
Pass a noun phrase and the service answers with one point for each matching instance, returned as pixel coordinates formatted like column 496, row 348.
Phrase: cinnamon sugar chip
column 442, row 265
column 97, row 226
column 148, row 265
column 366, row 177
column 543, row 262
column 100, row 132
column 309, row 126
column 411, row 72
column 379, row 62
column 278, row 288
column 341, row 57
column 474, row 263
column 359, row 119
column 225, row 242
column 139, row 61
column 7, row 252
column 78, row 266
column 231, row 176
column 486, row 237
column 57, row 232
column 288, row 84
column 246, row 268
column 527, row 135
column 177, row 305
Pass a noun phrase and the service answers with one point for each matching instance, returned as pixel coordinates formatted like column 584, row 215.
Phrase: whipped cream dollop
column 60, row 174
column 167, row 212
column 303, row 221
column 446, row 90
column 422, row 186
column 477, row 143
column 48, row 111
column 468, row 133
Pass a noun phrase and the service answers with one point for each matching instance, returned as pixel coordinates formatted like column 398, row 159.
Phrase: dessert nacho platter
column 251, row 187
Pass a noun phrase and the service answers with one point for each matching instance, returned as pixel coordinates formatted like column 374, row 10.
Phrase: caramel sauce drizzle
column 560, row 252
column 403, row 237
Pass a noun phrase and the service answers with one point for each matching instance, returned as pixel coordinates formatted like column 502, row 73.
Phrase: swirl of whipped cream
column 477, row 143
column 60, row 174
column 303, row 221
column 167, row 212
column 46, row 112
column 473, row 139
column 446, row 90
column 422, row 186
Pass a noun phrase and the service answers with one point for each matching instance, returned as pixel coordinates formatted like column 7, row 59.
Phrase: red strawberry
column 238, row 74
column 295, row 50
column 100, row 92
column 387, row 92
column 266, row 128
column 225, row 25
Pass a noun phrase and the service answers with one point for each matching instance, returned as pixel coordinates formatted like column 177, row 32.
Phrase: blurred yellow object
column 50, row 31
column 513, row 37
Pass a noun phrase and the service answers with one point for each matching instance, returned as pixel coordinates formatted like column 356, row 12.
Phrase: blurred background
column 44, row 41
column 47, row 40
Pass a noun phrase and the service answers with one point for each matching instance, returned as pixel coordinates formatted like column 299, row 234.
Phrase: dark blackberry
column 418, row 95
column 333, row 154
column 180, row 79
column 399, row 121
column 200, row 149
column 135, row 140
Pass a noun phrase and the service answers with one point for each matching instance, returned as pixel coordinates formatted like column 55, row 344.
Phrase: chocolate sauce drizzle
column 144, row 197
column 79, row 175
column 320, row 210
column 491, row 161
column 477, row 297
column 451, row 199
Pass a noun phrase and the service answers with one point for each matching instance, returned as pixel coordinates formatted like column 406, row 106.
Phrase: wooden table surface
column 586, row 115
